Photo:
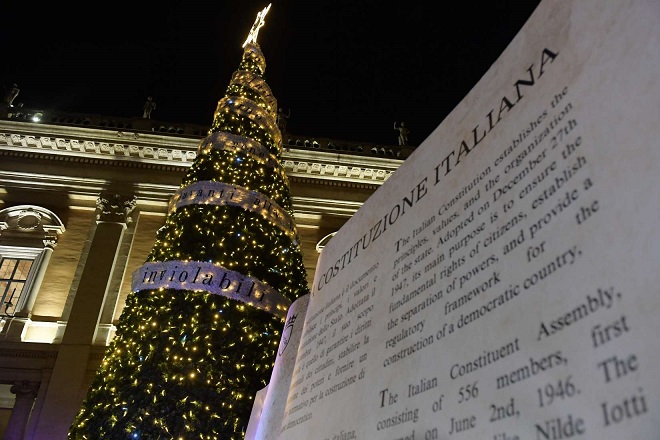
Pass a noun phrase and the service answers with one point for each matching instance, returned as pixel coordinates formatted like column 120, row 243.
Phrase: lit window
column 13, row 275
column 28, row 235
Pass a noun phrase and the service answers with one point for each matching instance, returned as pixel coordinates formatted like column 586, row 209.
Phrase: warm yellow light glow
column 191, row 339
column 258, row 23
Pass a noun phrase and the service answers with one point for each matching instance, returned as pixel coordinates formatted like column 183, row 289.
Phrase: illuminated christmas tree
column 199, row 333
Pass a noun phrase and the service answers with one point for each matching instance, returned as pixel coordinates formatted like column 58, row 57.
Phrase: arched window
column 28, row 235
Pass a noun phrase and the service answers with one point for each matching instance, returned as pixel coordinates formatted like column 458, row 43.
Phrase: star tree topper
column 258, row 23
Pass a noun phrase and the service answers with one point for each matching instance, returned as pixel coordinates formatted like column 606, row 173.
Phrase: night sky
column 344, row 69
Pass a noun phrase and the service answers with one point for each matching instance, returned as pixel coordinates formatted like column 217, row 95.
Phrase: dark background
column 344, row 69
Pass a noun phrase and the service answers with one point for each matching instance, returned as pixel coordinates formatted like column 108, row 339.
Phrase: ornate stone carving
column 28, row 219
column 25, row 388
column 50, row 242
column 115, row 209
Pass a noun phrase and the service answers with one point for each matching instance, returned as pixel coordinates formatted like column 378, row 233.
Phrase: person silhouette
column 11, row 95
column 403, row 133
column 148, row 107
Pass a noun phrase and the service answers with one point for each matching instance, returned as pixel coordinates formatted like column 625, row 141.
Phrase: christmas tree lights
column 199, row 333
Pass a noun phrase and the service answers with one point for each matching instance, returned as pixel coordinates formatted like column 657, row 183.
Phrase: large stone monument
column 503, row 284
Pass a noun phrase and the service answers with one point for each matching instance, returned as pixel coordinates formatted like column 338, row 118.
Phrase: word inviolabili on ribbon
column 203, row 276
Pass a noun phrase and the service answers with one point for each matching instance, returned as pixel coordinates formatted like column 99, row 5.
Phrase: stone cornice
column 41, row 354
column 106, row 147
column 152, row 197
column 28, row 351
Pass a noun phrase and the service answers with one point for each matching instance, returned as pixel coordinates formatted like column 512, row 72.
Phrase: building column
column 25, row 392
column 67, row 386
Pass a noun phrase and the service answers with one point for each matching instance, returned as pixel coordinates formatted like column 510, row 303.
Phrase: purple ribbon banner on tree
column 200, row 276
column 218, row 193
column 238, row 144
column 247, row 108
column 255, row 82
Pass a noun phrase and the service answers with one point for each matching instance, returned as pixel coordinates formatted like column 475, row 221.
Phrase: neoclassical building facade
column 81, row 199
